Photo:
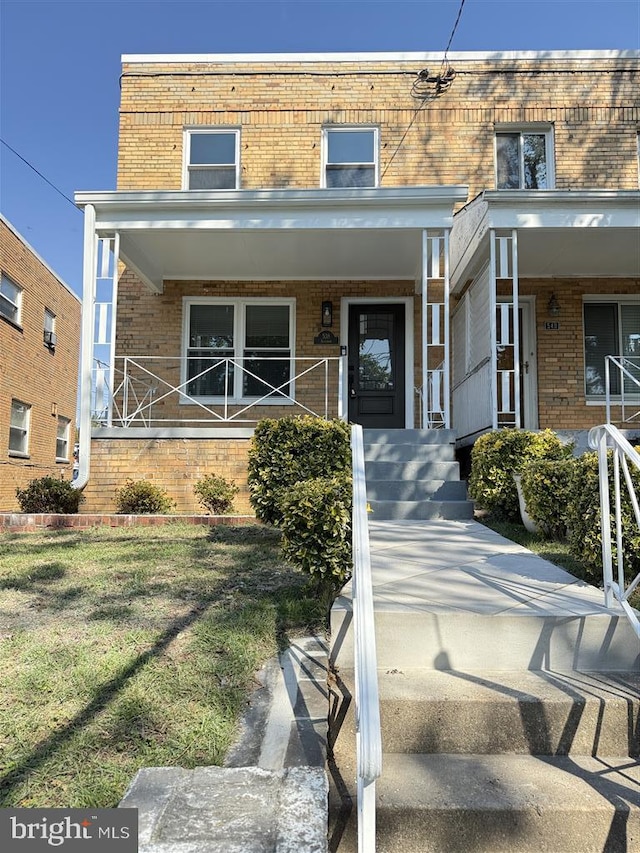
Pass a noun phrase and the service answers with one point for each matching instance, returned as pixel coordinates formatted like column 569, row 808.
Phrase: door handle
column 352, row 391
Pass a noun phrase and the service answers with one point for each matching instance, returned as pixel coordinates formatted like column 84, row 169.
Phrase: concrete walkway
column 277, row 770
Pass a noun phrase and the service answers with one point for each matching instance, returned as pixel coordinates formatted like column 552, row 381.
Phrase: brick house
column 379, row 237
column 39, row 347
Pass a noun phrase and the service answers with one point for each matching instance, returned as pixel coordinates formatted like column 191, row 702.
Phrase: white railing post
column 605, row 518
column 367, row 707
column 623, row 454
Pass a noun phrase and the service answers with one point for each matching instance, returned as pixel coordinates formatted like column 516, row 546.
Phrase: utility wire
column 427, row 88
column 46, row 180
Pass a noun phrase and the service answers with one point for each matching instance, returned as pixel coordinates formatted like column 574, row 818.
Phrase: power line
column 428, row 87
column 46, row 180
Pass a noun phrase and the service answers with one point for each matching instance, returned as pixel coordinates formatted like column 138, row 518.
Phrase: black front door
column 376, row 375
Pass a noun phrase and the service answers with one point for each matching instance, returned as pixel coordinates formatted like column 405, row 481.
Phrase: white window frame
column 187, row 168
column 341, row 128
column 611, row 299
column 545, row 130
column 13, row 313
column 24, row 428
column 239, row 329
column 63, row 427
column 49, row 329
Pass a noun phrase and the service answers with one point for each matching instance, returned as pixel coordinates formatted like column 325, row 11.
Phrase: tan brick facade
column 281, row 108
column 590, row 106
column 172, row 464
column 30, row 372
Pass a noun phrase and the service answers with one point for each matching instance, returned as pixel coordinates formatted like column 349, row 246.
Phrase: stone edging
column 25, row 522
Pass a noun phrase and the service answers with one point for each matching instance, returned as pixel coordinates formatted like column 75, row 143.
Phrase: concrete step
column 507, row 804
column 412, row 471
column 425, row 510
column 409, row 453
column 411, row 637
column 415, row 490
column 411, row 436
column 537, row 713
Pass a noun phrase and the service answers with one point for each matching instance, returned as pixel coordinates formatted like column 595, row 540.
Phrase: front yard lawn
column 124, row 648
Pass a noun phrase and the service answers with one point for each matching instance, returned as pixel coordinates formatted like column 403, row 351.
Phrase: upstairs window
column 212, row 160
column 350, row 157
column 524, row 159
column 19, row 429
column 10, row 300
column 611, row 328
column 49, row 329
column 62, row 439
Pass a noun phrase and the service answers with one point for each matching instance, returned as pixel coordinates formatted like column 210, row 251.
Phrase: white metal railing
column 105, row 401
column 627, row 370
column 367, row 707
column 601, row 438
column 433, row 415
column 145, row 385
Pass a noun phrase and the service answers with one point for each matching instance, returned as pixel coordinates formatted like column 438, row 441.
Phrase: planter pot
column 528, row 522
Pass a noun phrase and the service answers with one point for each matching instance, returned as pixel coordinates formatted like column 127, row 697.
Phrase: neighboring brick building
column 272, row 210
column 39, row 351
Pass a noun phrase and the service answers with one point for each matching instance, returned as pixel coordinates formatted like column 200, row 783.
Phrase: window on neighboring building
column 19, row 428
column 10, row 299
column 611, row 328
column 49, row 328
column 524, row 159
column 212, row 159
column 239, row 348
column 62, row 439
column 350, row 157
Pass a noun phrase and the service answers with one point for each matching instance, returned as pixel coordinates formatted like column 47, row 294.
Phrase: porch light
column 327, row 314
column 553, row 306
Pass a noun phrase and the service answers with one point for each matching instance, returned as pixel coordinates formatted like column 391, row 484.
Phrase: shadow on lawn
column 104, row 695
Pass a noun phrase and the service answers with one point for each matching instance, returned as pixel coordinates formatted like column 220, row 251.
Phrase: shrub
column 216, row 494
column 546, row 486
column 496, row 456
column 48, row 494
column 286, row 451
column 140, row 497
column 583, row 520
column 316, row 527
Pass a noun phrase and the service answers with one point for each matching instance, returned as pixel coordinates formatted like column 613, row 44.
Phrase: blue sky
column 60, row 64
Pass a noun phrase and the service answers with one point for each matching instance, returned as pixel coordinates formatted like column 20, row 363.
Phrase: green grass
column 554, row 550
column 124, row 648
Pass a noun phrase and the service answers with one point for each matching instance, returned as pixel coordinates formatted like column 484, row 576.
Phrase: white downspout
column 86, row 358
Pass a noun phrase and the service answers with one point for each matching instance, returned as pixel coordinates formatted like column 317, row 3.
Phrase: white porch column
column 86, row 350
column 505, row 330
column 493, row 328
column 424, row 354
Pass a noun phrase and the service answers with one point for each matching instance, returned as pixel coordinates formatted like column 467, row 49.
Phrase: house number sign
column 551, row 327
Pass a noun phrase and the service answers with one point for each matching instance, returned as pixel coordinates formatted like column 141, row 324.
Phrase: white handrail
column 600, row 438
column 367, row 707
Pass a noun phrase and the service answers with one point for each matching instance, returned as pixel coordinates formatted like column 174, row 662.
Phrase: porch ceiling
column 373, row 233
column 589, row 234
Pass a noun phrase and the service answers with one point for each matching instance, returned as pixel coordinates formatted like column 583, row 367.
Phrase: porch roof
column 561, row 234
column 366, row 233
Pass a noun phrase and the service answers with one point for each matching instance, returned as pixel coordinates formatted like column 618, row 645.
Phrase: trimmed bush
column 286, row 451
column 546, row 486
column 316, row 527
column 583, row 520
column 496, row 456
column 216, row 494
column 140, row 497
column 50, row 495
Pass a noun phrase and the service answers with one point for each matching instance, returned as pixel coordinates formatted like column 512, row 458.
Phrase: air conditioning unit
column 50, row 339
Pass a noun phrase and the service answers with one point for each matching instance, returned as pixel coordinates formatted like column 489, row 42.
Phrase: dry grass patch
column 123, row 648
